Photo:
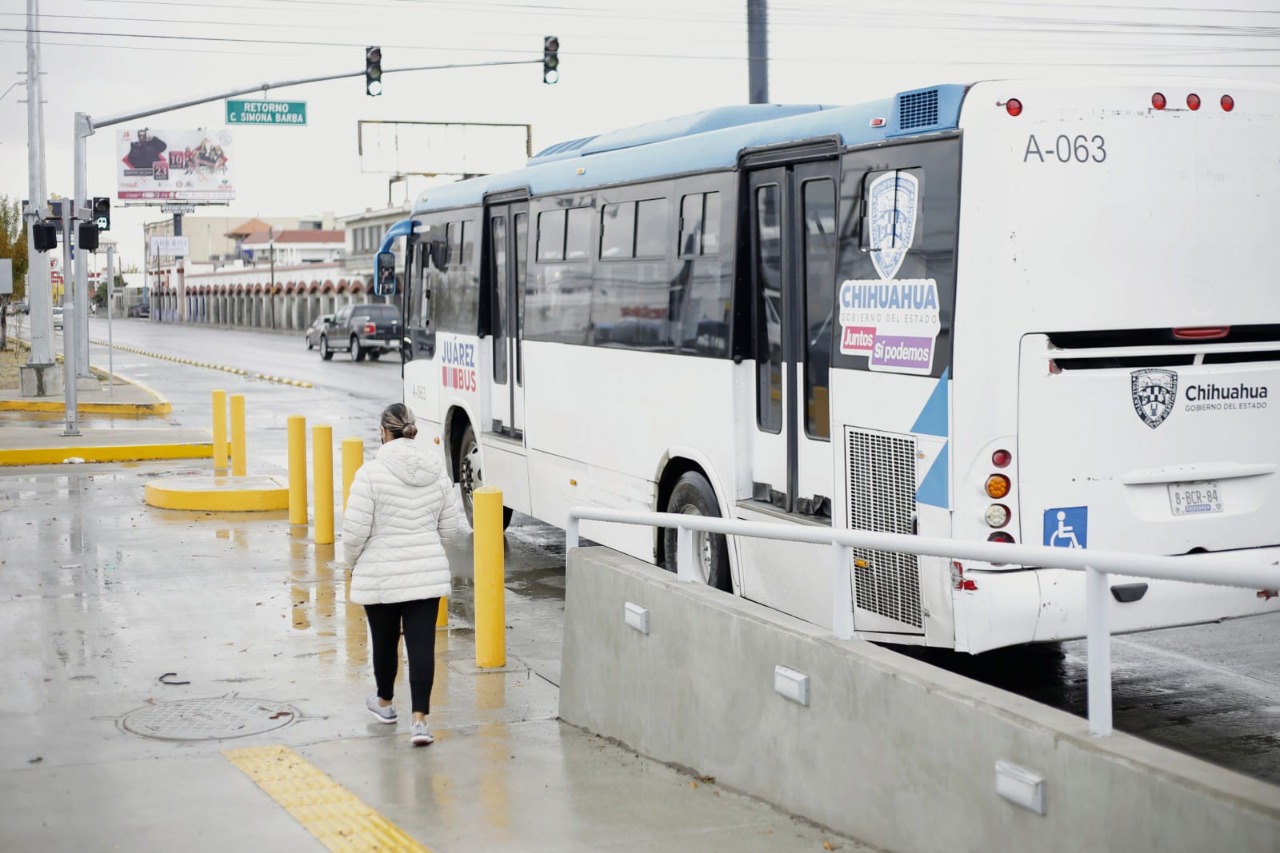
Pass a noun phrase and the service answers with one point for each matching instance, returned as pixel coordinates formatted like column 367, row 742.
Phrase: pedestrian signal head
column 102, row 212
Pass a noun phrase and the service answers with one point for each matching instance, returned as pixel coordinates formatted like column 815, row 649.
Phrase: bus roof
column 705, row 141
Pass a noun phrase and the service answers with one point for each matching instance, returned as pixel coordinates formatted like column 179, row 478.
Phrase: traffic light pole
column 85, row 126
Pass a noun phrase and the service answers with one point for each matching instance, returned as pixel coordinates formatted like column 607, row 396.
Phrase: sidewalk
column 119, row 421
column 197, row 680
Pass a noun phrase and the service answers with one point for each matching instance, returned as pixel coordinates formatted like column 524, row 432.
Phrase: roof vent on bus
column 918, row 109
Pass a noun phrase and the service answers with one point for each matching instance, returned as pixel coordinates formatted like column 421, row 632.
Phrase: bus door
column 792, row 216
column 508, row 254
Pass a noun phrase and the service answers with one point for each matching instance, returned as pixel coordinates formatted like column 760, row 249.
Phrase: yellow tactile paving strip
column 334, row 815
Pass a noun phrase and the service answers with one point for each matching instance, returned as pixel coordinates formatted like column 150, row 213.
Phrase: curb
column 105, row 453
column 219, row 494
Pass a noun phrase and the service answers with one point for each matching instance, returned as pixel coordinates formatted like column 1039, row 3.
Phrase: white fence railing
column 1194, row 568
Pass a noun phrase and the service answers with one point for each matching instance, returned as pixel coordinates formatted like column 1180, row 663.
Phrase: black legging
column 419, row 620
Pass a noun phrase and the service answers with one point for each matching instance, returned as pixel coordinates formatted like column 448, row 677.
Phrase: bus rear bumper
column 997, row 610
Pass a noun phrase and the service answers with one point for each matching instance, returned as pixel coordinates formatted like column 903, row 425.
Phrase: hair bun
column 410, row 431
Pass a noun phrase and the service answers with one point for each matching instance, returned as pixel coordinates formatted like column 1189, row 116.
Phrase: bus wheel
column 471, row 476
column 693, row 495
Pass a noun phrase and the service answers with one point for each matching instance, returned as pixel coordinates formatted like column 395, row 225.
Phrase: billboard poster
column 174, row 165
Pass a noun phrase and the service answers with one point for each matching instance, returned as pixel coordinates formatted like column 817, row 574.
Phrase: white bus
column 1021, row 311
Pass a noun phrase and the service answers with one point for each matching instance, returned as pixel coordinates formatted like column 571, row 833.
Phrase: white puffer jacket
column 402, row 505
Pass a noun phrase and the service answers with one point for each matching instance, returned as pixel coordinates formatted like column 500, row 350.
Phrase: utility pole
column 758, row 50
column 40, row 376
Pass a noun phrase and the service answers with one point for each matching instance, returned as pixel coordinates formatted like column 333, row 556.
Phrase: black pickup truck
column 362, row 330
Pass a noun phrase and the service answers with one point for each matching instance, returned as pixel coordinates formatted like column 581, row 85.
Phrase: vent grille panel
column 918, row 109
column 882, row 499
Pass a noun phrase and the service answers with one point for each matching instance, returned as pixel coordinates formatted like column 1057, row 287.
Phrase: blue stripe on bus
column 697, row 152
column 933, row 418
column 934, row 489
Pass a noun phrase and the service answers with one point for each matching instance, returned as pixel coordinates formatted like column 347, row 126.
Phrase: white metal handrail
column 1192, row 568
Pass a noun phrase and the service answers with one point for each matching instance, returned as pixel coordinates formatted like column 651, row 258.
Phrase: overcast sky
column 622, row 63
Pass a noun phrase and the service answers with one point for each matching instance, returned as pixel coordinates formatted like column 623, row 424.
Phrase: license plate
column 1199, row 498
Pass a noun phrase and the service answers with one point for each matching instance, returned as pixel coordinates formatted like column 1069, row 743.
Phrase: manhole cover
column 208, row 719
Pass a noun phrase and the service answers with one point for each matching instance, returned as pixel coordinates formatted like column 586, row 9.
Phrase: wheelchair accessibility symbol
column 1066, row 527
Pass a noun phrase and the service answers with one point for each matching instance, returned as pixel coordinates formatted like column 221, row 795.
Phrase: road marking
column 334, row 815
column 297, row 383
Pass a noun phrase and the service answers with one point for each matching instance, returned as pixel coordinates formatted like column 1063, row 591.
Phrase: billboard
column 174, row 165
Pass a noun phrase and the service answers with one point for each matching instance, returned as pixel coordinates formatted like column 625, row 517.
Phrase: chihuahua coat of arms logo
column 1154, row 392
column 892, row 199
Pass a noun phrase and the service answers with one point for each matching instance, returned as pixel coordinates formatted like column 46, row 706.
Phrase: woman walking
column 402, row 507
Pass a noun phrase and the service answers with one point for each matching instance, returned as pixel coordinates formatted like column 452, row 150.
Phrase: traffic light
column 550, row 59
column 373, row 71
column 102, row 212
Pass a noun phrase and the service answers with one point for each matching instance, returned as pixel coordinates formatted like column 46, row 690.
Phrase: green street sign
column 266, row 112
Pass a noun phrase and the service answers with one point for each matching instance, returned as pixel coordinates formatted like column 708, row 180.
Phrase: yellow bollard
column 352, row 459
column 297, row 469
column 490, row 604
column 220, row 430
column 442, row 618
column 238, row 465
column 322, row 457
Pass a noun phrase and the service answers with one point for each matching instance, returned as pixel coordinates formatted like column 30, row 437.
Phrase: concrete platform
column 26, row 445
column 117, row 398
column 219, row 493
column 111, row 610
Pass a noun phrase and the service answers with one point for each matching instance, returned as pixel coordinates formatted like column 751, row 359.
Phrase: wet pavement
column 138, row 644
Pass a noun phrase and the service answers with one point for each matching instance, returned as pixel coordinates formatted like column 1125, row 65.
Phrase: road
column 1212, row 691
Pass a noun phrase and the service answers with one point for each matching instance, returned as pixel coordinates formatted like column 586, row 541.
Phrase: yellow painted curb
column 137, row 410
column 110, row 453
column 336, row 817
column 218, row 494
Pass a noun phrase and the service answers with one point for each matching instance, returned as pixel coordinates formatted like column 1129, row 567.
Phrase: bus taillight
column 997, row 515
column 1158, row 101
column 1013, row 107
column 1001, row 536
column 1228, row 103
column 1193, row 101
column 1202, row 333
column 1001, row 458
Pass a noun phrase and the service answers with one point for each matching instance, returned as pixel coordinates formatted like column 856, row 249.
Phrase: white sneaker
column 385, row 714
column 419, row 734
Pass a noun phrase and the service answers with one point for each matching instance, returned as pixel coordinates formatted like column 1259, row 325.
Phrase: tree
column 13, row 243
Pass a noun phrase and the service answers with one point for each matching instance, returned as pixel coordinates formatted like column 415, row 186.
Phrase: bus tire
column 471, row 476
column 357, row 351
column 325, row 352
column 693, row 495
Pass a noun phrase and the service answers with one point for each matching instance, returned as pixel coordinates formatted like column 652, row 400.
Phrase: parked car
column 18, row 307
column 142, row 309
column 361, row 330
column 57, row 316
column 314, row 330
